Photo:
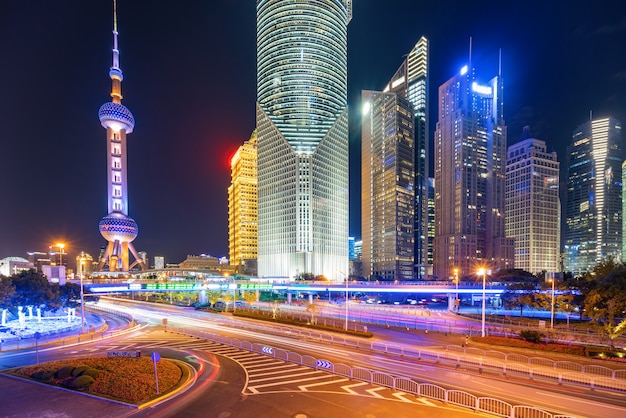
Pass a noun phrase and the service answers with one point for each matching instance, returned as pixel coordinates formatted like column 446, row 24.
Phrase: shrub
column 82, row 382
column 64, row 372
column 91, row 372
column 531, row 336
column 79, row 370
column 43, row 375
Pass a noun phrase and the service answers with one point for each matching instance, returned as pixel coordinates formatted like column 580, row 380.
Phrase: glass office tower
column 593, row 214
column 302, row 124
column 387, row 179
column 470, row 156
column 411, row 81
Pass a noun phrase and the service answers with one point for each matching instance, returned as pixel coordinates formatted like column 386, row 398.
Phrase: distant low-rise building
column 14, row 265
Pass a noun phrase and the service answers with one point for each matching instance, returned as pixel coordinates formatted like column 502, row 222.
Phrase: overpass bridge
column 471, row 290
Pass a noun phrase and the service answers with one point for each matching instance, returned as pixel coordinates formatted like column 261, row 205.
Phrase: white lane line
column 305, row 388
column 288, row 382
column 347, row 387
column 426, row 402
column 401, row 396
column 261, row 362
column 374, row 393
column 280, row 377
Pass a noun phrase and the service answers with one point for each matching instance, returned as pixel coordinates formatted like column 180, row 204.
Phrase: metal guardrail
column 405, row 384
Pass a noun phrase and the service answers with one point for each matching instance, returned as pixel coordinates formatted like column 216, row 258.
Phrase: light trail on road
column 550, row 397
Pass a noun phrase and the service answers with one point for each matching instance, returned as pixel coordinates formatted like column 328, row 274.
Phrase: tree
column 519, row 295
column 313, row 308
column 605, row 304
column 212, row 296
column 7, row 291
column 250, row 297
column 33, row 289
column 69, row 294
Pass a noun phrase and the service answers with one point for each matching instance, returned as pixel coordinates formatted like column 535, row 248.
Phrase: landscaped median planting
column 129, row 380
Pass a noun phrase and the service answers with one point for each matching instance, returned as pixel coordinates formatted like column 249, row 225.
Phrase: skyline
column 190, row 82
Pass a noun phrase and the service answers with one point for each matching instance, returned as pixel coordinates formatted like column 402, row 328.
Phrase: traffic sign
column 156, row 357
column 324, row 364
column 267, row 350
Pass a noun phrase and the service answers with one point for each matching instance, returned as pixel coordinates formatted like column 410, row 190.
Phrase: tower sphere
column 116, row 116
column 118, row 227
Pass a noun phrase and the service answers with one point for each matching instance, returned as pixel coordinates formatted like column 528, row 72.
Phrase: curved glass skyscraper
column 302, row 123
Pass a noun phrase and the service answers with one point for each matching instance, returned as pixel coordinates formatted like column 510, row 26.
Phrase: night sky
column 189, row 79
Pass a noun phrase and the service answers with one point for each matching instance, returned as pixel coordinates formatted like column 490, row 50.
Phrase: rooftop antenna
column 591, row 115
column 470, row 55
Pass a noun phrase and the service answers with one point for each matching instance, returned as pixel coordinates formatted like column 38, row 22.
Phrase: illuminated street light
column 61, row 246
column 456, row 281
column 483, row 272
column 82, row 297
column 345, row 279
column 552, row 305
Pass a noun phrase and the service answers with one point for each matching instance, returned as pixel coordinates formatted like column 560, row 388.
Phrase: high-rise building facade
column 532, row 205
column 469, row 163
column 430, row 246
column 593, row 212
column 302, row 124
column 387, row 181
column 411, row 81
column 117, row 227
column 242, row 204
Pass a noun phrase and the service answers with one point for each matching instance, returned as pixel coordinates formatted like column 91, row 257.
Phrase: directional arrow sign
column 324, row 364
column 267, row 350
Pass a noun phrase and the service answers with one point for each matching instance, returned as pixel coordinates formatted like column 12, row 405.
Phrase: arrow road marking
column 374, row 394
column 426, row 402
column 400, row 395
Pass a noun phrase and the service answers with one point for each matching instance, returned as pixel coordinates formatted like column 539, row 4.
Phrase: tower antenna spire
column 116, row 72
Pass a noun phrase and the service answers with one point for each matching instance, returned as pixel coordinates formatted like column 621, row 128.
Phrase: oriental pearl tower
column 117, row 227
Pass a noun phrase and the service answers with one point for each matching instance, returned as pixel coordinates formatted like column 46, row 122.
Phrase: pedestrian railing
column 405, row 384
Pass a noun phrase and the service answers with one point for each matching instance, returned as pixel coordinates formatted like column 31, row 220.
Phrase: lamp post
column 82, row 297
column 552, row 306
column 456, row 281
column 61, row 246
column 345, row 279
column 483, row 272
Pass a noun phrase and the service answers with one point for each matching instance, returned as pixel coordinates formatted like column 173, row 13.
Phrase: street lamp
column 61, row 246
column 483, row 272
column 345, row 279
column 82, row 297
column 456, row 281
column 552, row 305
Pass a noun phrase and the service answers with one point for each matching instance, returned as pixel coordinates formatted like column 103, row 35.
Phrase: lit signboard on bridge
column 172, row 286
column 255, row 286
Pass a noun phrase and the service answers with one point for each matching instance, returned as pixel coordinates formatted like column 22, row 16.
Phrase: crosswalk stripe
column 274, row 367
column 286, row 382
column 260, row 362
column 253, row 378
column 305, row 388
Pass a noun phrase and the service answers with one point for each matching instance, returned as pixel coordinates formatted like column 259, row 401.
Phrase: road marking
column 401, row 396
column 374, row 394
column 286, row 382
column 278, row 377
column 305, row 388
column 347, row 387
column 283, row 366
column 426, row 402
column 261, row 362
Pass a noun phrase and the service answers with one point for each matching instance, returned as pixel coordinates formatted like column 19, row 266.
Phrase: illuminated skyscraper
column 593, row 213
column 387, row 181
column 117, row 227
column 532, row 205
column 302, row 123
column 411, row 81
column 242, row 204
column 470, row 155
